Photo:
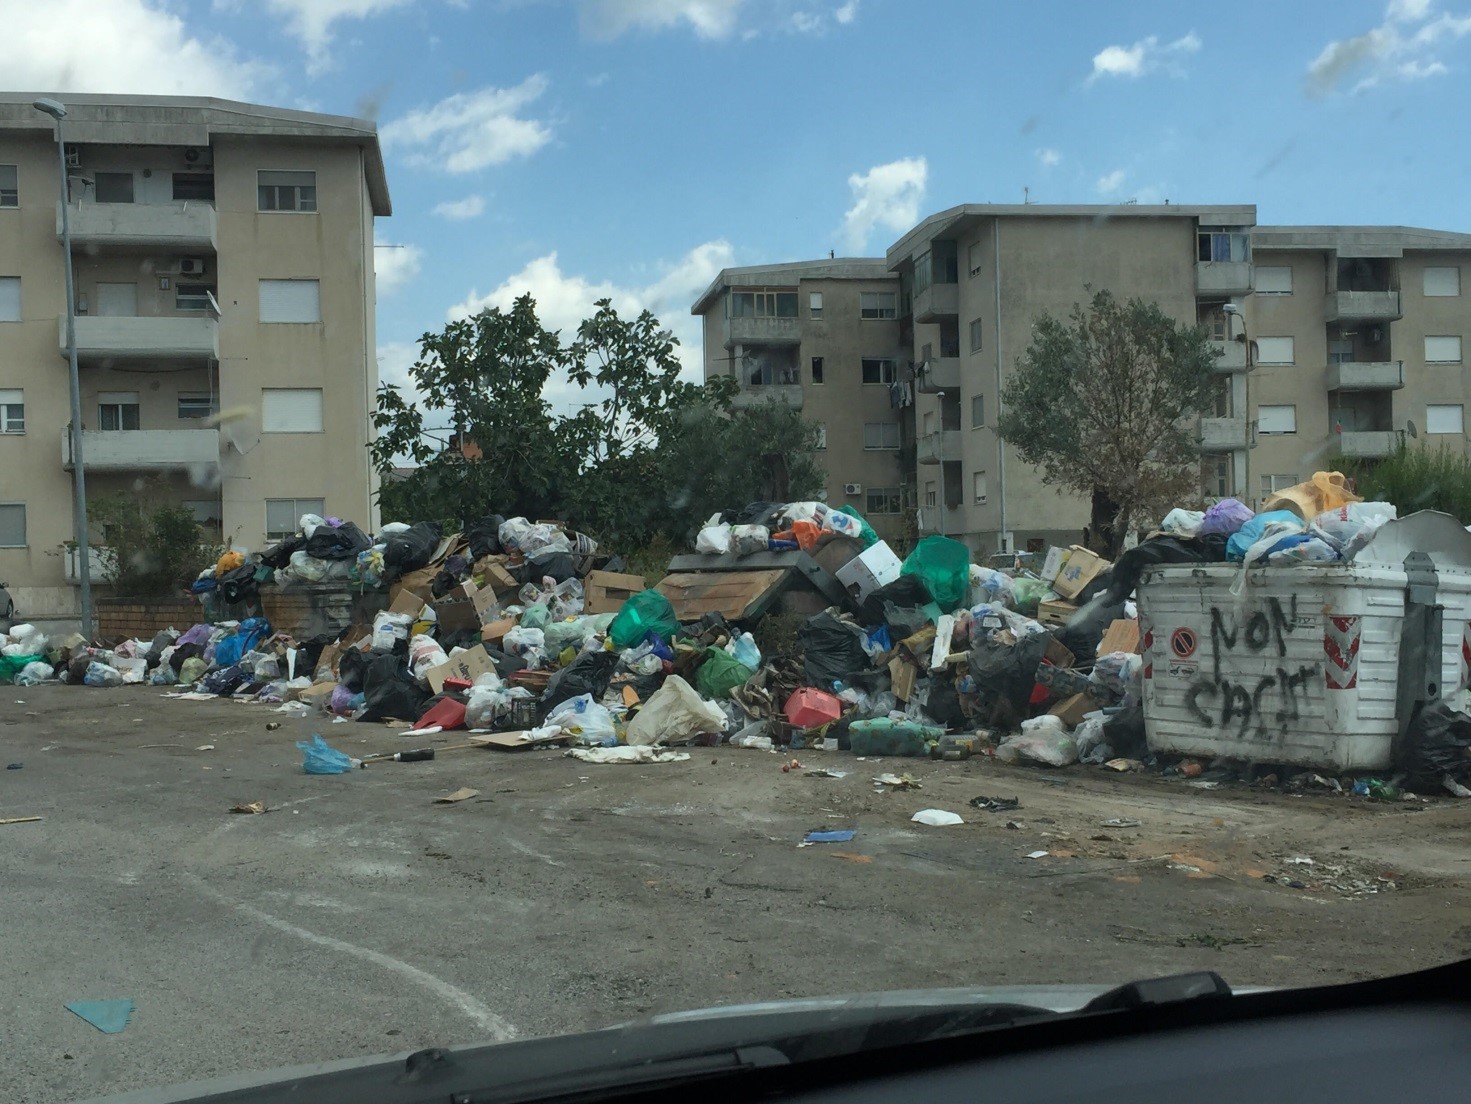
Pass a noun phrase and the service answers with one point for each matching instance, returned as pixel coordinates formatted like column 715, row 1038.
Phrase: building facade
column 223, row 258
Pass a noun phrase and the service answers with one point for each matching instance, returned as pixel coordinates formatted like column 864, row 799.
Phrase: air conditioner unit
column 191, row 266
column 852, row 488
column 74, row 157
column 199, row 157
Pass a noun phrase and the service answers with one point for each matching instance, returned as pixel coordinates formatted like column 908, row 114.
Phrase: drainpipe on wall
column 1005, row 539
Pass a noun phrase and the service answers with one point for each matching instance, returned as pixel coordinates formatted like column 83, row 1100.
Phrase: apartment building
column 825, row 337
column 223, row 257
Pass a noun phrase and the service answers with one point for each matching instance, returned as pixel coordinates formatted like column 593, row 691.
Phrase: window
column 117, row 410
column 12, row 525
column 881, row 500
column 1217, row 477
column 1438, row 281
column 975, row 335
column 1438, row 350
column 974, row 255
column 1449, row 418
column 12, row 411
column 194, row 186
column 763, row 304
column 1271, row 484
column 880, row 435
column 978, row 487
column 814, row 304
column 9, row 298
column 286, row 191
column 1276, row 419
column 817, row 369
column 9, row 186
column 821, row 435
column 192, row 297
column 206, row 511
column 197, row 404
column 1214, row 321
column 1273, row 280
column 290, row 301
column 291, row 410
column 1222, row 245
column 1340, row 350
column 283, row 515
column 930, row 496
column 878, row 370
column 1274, row 350
column 877, row 304
column 977, row 411
column 112, row 187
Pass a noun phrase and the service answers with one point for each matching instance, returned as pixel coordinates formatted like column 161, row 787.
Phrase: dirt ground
column 358, row 916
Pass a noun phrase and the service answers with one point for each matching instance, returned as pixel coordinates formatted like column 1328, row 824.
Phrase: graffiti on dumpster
column 1256, row 707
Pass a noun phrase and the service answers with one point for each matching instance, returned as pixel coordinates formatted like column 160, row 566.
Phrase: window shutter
column 290, row 301
column 1274, row 279
column 9, row 298
column 291, row 410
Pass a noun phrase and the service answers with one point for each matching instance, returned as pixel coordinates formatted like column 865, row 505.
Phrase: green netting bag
column 944, row 567
column 647, row 611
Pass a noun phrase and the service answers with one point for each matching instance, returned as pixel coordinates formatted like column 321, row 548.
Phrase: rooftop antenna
column 832, row 254
column 1026, row 195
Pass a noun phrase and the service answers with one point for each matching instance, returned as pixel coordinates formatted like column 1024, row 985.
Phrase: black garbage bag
column 279, row 555
column 505, row 663
column 431, row 702
column 411, row 549
column 1005, row 675
column 1124, row 733
column 831, row 651
column 1084, row 629
column 905, row 592
column 352, row 666
column 181, row 653
column 556, row 566
column 903, row 623
column 1163, row 550
column 943, row 704
column 759, row 513
column 1094, row 587
column 589, row 673
column 451, row 575
column 485, row 536
column 341, row 543
column 239, row 585
column 309, row 651
column 224, row 681
column 1437, row 744
column 390, row 690
column 161, row 640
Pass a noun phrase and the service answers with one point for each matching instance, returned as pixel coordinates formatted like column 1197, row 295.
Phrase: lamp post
column 57, row 111
column 940, row 448
column 1231, row 310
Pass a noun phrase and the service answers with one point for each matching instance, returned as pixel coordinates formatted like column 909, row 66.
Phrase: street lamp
column 57, row 111
column 1231, row 310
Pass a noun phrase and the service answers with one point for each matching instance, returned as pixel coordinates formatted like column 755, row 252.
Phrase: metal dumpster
column 1317, row 665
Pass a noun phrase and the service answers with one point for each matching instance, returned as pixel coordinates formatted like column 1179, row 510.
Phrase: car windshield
column 526, row 517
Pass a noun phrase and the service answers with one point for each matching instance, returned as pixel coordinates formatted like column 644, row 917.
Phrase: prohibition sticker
column 1183, row 643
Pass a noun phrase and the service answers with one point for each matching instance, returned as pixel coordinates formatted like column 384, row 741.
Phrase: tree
column 1107, row 404
column 151, row 550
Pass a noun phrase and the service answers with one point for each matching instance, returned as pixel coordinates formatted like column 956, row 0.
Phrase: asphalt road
column 359, row 917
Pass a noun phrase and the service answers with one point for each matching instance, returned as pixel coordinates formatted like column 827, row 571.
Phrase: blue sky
column 576, row 148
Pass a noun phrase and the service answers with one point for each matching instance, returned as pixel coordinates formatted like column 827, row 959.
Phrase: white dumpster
column 1302, row 665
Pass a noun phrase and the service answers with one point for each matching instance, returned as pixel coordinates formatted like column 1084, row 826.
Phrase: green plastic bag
column 10, row 666
column 944, row 567
column 720, row 674
column 866, row 533
column 536, row 617
column 647, row 611
column 1030, row 593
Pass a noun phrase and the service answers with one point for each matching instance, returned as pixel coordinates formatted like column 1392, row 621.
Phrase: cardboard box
column 465, row 608
column 870, row 569
column 606, row 591
column 1071, row 710
column 1056, row 557
column 835, row 550
column 406, row 602
column 467, row 664
column 1081, row 568
column 1122, row 636
column 1055, row 613
column 492, row 570
column 316, row 691
column 903, row 675
column 419, row 582
column 495, row 632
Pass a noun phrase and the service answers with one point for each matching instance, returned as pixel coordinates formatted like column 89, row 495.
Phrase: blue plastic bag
column 1254, row 528
column 250, row 633
column 319, row 757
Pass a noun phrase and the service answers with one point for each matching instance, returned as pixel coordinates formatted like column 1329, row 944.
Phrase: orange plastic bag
column 1323, row 492
column 228, row 562
column 806, row 534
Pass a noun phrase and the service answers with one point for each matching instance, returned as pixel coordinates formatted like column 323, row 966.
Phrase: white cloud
column 395, row 265
column 123, row 46
column 1402, row 47
column 310, row 21
column 395, row 358
column 1148, row 55
column 1111, row 182
column 608, row 19
column 846, row 12
column 886, row 196
column 563, row 300
column 457, row 210
column 471, row 130
column 804, row 22
column 1049, row 157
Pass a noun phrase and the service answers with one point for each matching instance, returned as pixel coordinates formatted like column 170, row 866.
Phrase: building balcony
column 942, row 446
column 937, row 374
column 1367, row 306
column 789, row 394
column 1222, row 434
column 762, row 331
column 1374, row 375
column 1222, row 277
column 143, row 449
column 936, row 302
column 99, row 564
column 1231, row 356
column 1370, row 444
column 182, row 226
column 106, row 338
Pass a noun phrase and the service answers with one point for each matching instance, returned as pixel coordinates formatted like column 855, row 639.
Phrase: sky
column 576, row 149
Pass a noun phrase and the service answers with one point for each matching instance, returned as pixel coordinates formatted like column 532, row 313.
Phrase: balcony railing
column 937, row 374
column 747, row 330
column 1370, row 444
column 1368, row 306
column 937, row 301
column 1373, row 375
column 164, row 337
column 1223, row 277
column 759, row 394
column 1222, row 434
column 1232, row 356
column 144, row 449
column 941, row 446
column 182, row 226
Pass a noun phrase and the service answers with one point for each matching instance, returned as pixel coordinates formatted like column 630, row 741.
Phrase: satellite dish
column 1411, row 430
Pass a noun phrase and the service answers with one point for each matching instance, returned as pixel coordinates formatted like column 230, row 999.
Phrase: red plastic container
column 809, row 708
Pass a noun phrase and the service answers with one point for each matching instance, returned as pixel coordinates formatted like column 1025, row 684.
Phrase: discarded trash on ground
column 251, row 807
column 996, row 804
column 937, row 818
column 107, row 1016
column 464, row 793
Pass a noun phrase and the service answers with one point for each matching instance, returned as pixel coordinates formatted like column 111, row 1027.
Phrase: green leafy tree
column 150, row 552
column 1414, row 478
column 1107, row 404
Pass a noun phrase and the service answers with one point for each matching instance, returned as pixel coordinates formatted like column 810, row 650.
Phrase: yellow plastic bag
column 228, row 562
column 1323, row 492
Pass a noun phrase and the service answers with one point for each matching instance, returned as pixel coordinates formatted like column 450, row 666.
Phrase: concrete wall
column 1434, row 316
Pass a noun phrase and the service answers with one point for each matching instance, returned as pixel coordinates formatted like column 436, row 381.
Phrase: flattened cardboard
column 419, row 582
column 515, row 741
column 903, row 675
column 465, row 608
column 729, row 593
column 496, row 577
column 467, row 664
column 606, row 591
column 1058, row 655
column 1071, row 710
column 495, row 632
column 316, row 690
column 1081, row 568
column 406, row 601
column 1122, row 636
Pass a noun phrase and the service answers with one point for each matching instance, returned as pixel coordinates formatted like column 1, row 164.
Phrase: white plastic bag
column 308, row 568
column 309, row 523
column 34, row 672
column 744, row 648
column 424, row 653
column 590, row 723
column 521, row 640
column 1349, row 527
column 393, row 528
column 991, row 587
column 937, row 818
column 714, row 538
column 675, row 712
column 745, row 539
column 1042, row 740
column 26, row 640
column 845, row 524
column 1183, row 523
column 388, row 628
column 488, row 706
column 511, row 532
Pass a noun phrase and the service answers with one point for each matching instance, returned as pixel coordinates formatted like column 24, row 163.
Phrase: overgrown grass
column 1415, row 478
column 651, row 560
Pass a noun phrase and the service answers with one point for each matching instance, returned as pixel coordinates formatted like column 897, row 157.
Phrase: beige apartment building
column 823, row 336
column 223, row 257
